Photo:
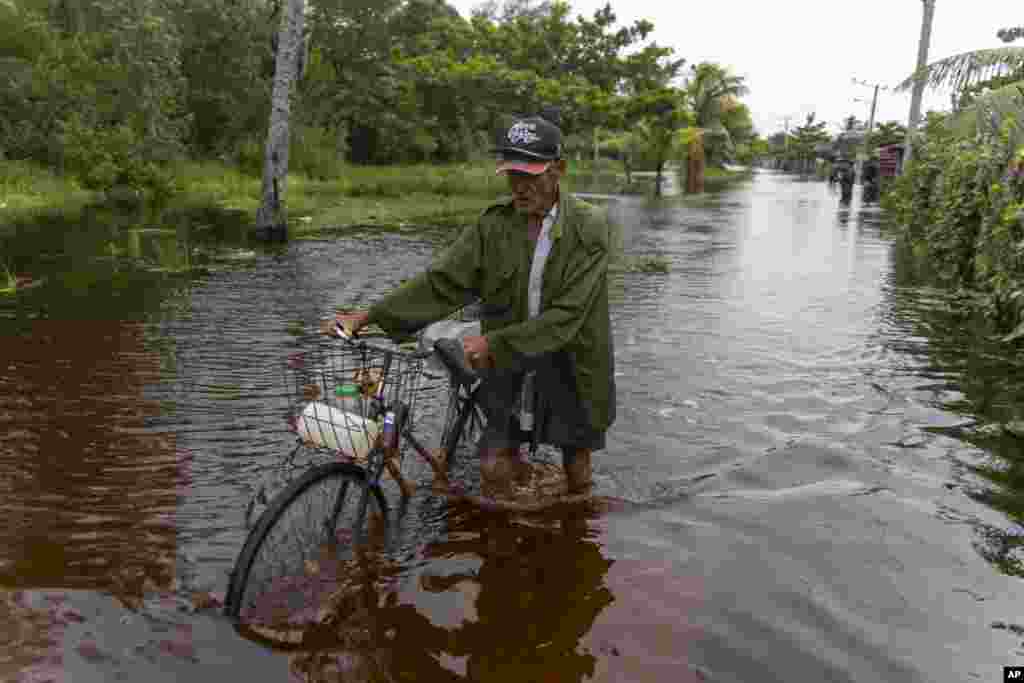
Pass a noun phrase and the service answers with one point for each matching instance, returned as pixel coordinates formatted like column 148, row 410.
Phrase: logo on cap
column 523, row 133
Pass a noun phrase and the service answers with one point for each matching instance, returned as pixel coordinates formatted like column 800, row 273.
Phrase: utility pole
column 874, row 101
column 785, row 139
column 922, row 62
column 871, row 116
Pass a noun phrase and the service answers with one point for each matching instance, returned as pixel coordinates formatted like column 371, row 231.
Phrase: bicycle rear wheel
column 300, row 551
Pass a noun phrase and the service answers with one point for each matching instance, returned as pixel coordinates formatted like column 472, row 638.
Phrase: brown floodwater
column 809, row 478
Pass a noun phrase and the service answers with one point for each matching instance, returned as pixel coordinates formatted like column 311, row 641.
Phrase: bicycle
column 324, row 511
column 331, row 501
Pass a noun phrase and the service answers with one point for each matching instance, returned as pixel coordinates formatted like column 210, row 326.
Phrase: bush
column 318, row 153
column 107, row 157
column 960, row 208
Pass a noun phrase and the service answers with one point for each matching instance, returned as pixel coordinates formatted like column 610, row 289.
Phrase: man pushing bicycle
column 539, row 263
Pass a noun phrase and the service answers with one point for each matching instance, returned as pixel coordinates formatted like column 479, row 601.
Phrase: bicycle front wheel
column 296, row 554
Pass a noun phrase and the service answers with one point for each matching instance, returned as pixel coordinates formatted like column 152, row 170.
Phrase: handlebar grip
column 340, row 330
column 454, row 358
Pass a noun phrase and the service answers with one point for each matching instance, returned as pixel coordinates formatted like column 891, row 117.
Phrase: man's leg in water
column 576, row 463
column 500, row 461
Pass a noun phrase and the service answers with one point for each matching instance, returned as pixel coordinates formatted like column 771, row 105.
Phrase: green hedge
column 960, row 208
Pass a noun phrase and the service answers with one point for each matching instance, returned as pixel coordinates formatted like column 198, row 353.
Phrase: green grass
column 29, row 191
column 8, row 283
column 364, row 195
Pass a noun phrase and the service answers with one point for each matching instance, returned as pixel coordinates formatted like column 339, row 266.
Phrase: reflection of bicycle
column 531, row 591
column 359, row 402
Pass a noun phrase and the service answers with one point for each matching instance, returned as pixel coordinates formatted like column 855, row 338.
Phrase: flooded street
column 807, row 479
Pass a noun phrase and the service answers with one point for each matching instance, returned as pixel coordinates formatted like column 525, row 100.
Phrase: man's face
column 534, row 194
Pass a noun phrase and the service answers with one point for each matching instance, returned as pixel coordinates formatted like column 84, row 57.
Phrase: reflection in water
column 535, row 594
column 89, row 492
column 499, row 599
column 516, row 605
column 971, row 373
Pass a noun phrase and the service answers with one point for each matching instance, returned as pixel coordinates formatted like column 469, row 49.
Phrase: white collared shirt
column 540, row 256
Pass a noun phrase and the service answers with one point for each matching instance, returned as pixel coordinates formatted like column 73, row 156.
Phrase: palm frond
column 962, row 70
column 990, row 109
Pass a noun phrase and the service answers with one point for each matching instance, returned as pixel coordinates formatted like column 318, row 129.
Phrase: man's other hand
column 478, row 353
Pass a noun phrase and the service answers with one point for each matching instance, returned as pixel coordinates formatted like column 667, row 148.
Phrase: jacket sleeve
column 453, row 280
column 513, row 347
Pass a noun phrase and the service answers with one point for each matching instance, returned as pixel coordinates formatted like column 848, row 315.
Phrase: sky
column 800, row 56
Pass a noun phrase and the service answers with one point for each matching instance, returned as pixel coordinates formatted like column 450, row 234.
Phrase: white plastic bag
column 328, row 427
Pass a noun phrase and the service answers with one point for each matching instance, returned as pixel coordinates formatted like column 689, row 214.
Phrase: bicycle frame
column 396, row 428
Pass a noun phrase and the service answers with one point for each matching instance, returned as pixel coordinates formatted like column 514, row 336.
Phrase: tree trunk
column 695, row 167
column 270, row 217
column 657, row 178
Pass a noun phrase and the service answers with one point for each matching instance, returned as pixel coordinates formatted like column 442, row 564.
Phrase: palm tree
column 969, row 68
column 888, row 133
column 1001, row 68
column 710, row 87
column 712, row 91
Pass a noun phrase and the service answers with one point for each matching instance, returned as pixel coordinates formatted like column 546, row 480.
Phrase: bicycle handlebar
column 455, row 358
column 353, row 340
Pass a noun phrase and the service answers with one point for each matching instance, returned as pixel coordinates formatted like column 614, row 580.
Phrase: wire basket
column 337, row 394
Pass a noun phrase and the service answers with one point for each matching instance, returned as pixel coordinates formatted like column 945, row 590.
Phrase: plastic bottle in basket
column 348, row 398
column 328, row 427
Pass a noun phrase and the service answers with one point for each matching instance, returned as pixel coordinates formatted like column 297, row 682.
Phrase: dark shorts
column 558, row 413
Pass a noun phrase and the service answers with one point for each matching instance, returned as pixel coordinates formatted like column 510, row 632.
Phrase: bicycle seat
column 454, row 358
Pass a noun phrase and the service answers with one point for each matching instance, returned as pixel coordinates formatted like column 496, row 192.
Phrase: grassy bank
column 27, row 189
column 388, row 196
column 394, row 196
column 360, row 195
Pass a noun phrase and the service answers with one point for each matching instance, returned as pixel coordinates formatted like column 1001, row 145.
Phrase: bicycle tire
column 350, row 482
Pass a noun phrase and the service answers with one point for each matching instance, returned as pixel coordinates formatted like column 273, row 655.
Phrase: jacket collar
column 563, row 209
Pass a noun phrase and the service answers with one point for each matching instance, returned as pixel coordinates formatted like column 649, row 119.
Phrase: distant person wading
column 539, row 262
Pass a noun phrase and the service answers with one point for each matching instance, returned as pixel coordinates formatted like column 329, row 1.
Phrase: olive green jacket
column 491, row 261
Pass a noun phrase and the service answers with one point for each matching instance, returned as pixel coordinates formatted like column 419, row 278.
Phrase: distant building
column 890, row 160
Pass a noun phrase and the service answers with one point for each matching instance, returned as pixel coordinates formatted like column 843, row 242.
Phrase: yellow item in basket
column 368, row 380
column 327, row 427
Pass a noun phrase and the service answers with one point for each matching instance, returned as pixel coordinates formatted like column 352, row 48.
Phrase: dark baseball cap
column 528, row 145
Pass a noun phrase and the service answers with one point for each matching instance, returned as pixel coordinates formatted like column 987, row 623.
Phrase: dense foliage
column 960, row 205
column 960, row 202
column 109, row 90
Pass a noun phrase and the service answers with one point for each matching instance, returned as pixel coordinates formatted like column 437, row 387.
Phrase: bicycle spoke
column 287, row 575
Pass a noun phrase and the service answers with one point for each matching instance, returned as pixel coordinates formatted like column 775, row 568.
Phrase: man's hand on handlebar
column 352, row 322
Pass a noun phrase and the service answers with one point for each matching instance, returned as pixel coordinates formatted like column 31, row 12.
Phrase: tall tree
column 662, row 116
column 270, row 215
column 711, row 89
column 806, row 138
